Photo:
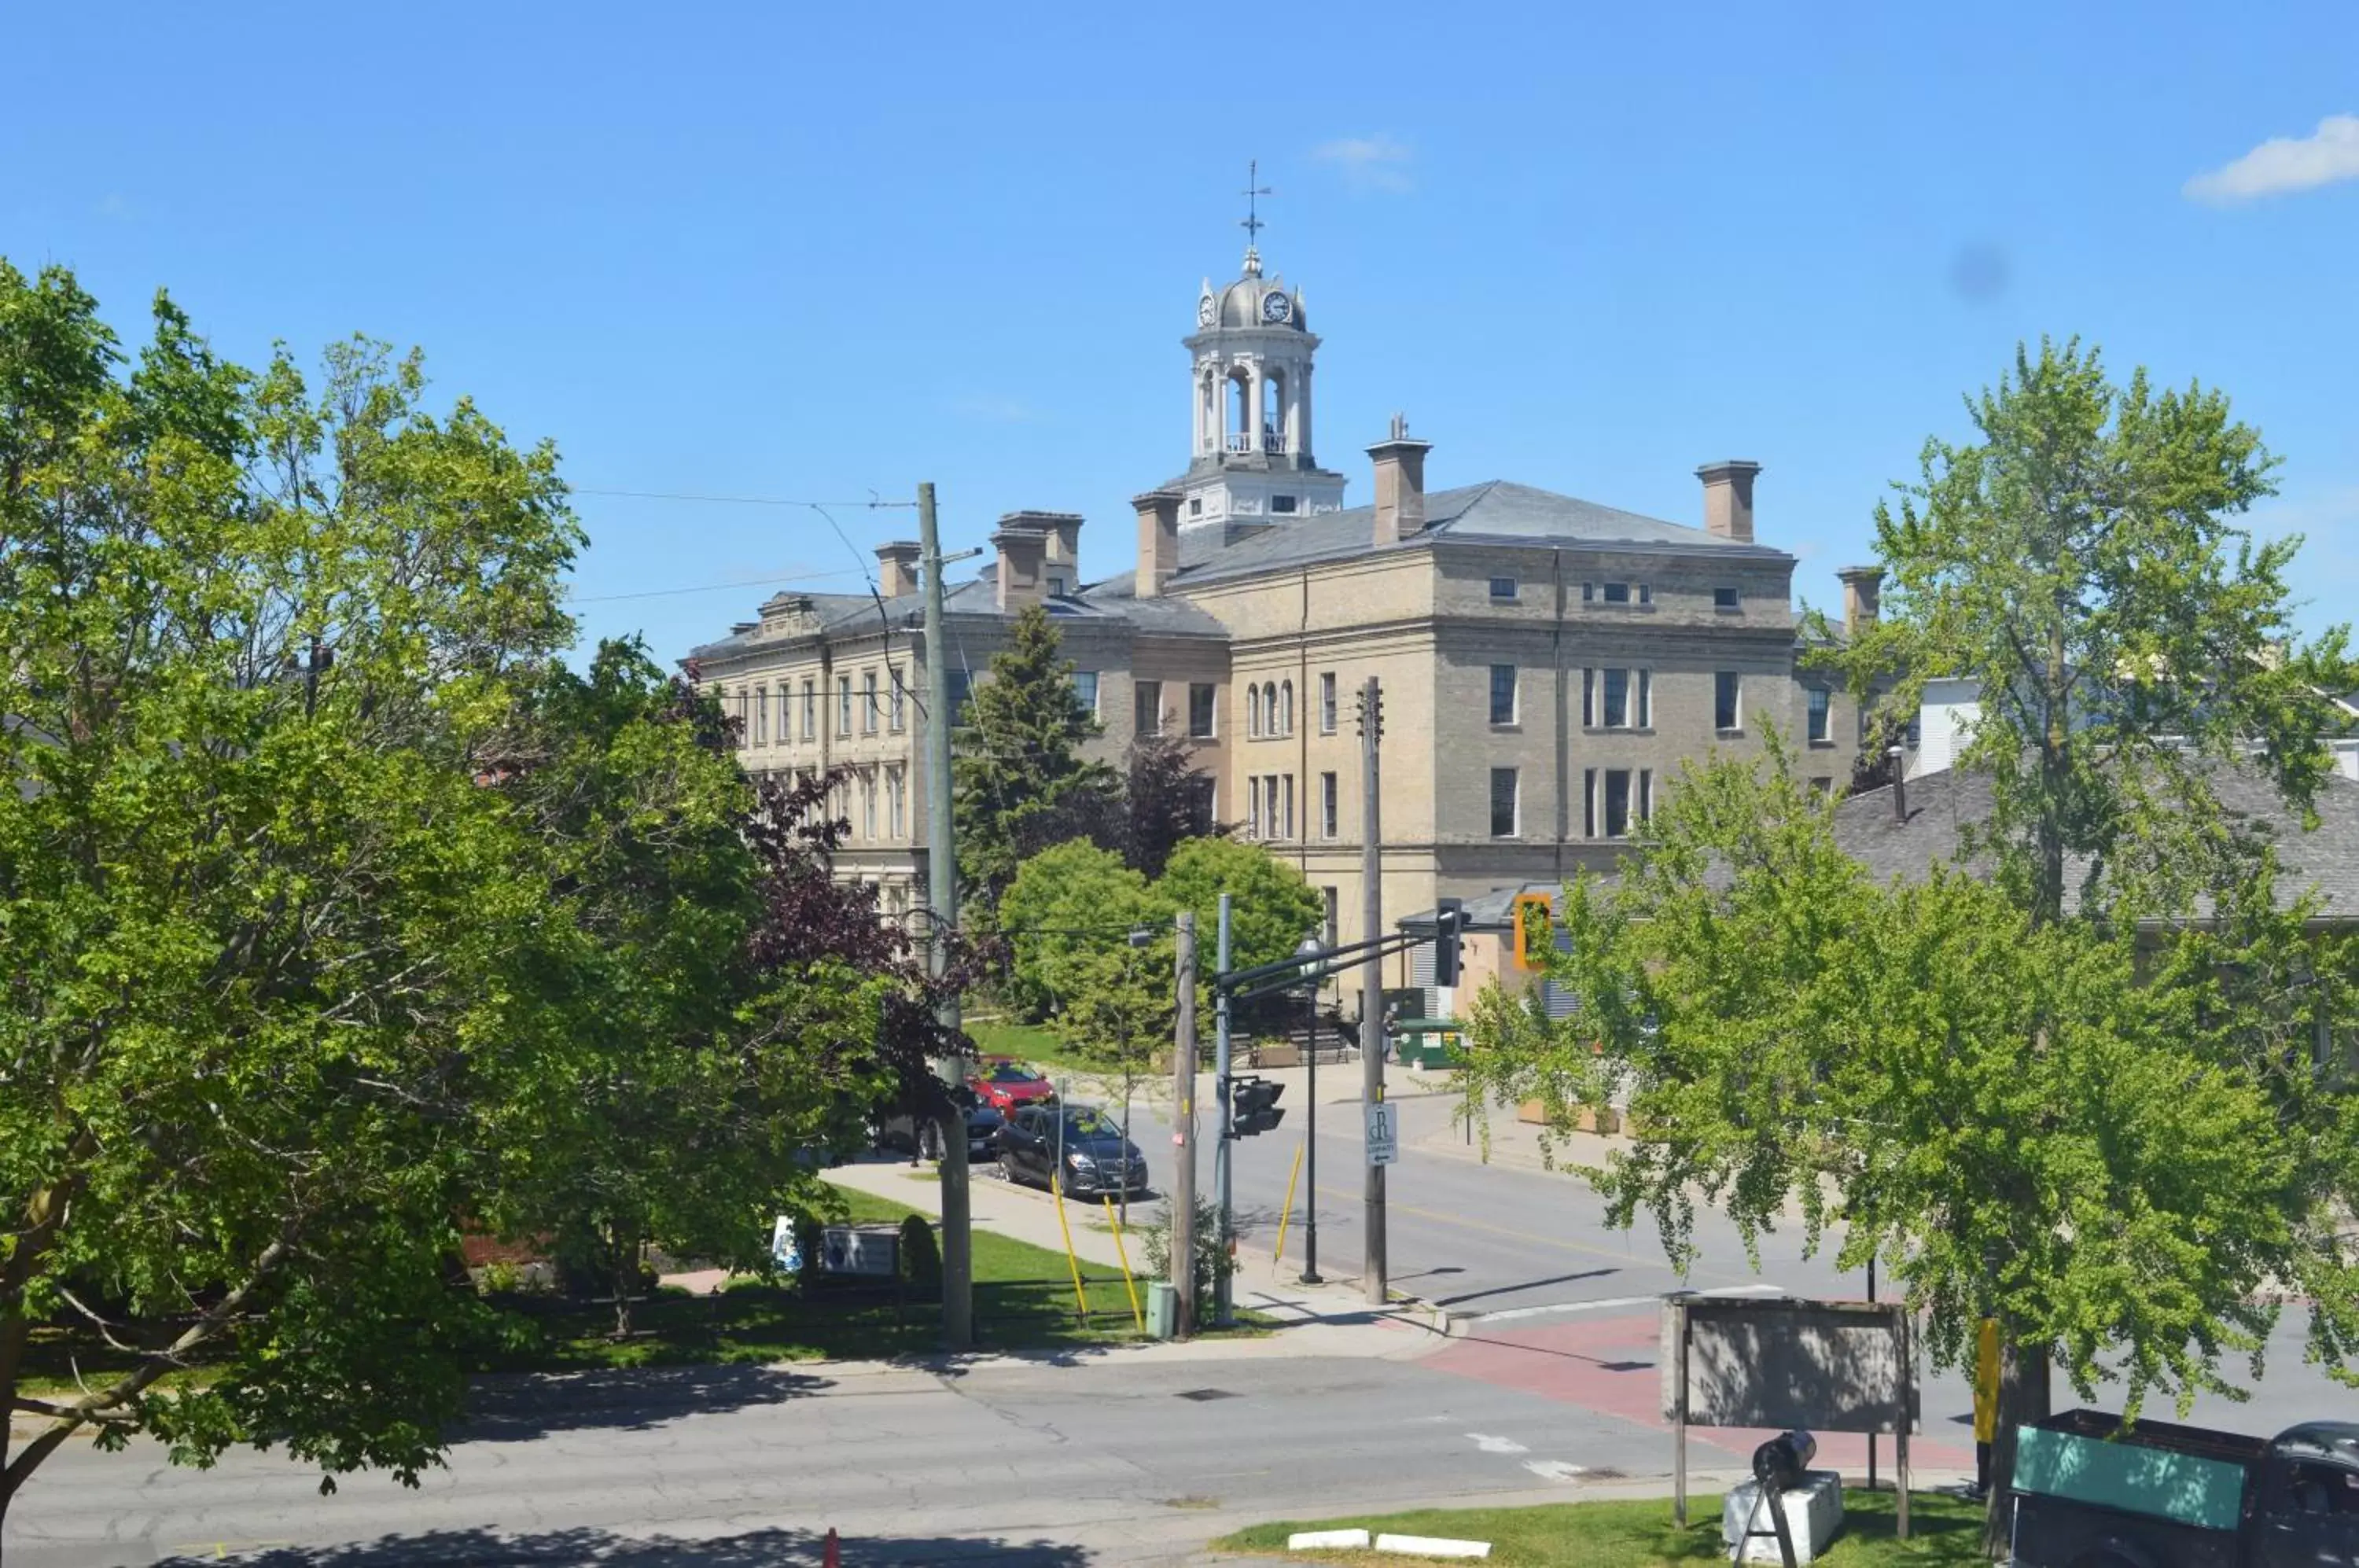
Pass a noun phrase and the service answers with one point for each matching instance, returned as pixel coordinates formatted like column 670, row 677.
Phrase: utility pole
column 1183, row 1123
column 1223, row 1293
column 1372, row 977
column 942, row 892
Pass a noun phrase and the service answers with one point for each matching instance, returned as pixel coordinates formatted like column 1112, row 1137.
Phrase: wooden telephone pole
column 941, row 891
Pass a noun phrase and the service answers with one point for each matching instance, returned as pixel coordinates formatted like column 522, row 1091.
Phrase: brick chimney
column 1060, row 562
column 1728, row 498
column 1158, row 541
column 1863, row 592
column 897, row 567
column 1400, row 484
column 1023, row 546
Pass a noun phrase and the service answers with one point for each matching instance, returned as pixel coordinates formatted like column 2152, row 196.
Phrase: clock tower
column 1251, row 459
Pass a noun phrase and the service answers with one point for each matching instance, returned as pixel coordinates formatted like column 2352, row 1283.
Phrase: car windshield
column 1085, row 1124
column 1013, row 1072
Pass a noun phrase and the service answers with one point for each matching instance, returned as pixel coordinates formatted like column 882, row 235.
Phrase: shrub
column 1212, row 1258
column 920, row 1255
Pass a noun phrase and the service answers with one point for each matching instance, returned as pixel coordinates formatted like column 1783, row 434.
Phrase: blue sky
column 818, row 252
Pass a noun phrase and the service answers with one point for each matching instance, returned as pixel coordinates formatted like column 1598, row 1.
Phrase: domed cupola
column 1253, row 300
column 1250, row 457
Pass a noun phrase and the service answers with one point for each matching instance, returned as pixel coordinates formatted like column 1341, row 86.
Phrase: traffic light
column 1533, row 911
column 1253, row 1106
column 1448, row 922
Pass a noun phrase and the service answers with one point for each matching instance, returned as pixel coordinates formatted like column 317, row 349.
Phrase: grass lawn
column 1025, row 1043
column 1943, row 1531
column 1023, row 1300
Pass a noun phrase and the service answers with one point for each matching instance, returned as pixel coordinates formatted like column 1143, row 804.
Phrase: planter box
column 1607, row 1121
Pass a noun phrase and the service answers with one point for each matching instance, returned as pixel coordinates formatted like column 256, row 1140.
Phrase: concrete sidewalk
column 1332, row 1319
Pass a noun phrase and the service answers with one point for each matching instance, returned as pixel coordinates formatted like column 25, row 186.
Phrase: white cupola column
column 1260, row 393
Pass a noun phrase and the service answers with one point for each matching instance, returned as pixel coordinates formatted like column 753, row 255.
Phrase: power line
column 873, row 502
column 707, row 587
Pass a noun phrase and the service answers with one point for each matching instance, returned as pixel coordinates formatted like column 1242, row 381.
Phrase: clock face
column 1276, row 307
column 1206, row 310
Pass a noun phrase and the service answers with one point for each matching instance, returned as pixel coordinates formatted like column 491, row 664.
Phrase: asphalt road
column 1528, row 1250
column 1125, row 1460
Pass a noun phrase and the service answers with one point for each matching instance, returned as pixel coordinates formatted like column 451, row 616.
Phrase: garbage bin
column 1162, row 1309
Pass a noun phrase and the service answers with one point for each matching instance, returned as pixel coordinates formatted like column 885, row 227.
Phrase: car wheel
column 1007, row 1169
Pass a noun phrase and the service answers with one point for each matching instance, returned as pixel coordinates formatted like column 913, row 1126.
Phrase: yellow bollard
column 1124, row 1253
column 1286, row 1215
column 1057, row 1187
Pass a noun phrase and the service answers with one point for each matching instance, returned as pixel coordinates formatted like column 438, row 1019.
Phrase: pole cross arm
column 1263, row 978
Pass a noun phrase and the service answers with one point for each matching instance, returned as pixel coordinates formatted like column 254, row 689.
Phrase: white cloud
column 2285, row 163
column 1369, row 163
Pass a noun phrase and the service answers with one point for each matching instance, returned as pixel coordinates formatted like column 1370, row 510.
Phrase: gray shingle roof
column 1498, row 512
column 2324, row 860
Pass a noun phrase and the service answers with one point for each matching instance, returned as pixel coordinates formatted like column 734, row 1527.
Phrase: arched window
column 1286, row 709
column 1252, row 712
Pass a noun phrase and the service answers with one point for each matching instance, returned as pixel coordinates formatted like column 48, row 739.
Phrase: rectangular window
column 1646, row 794
column 868, row 710
column 1056, row 587
column 811, row 710
column 1617, row 802
column 843, row 704
column 1617, row 592
column 1146, row 705
column 1503, row 802
column 1617, row 699
column 1589, row 699
column 1327, row 702
column 1202, row 812
column 1085, row 691
column 761, row 716
column 1725, row 712
column 1646, row 592
column 1253, row 807
column 868, row 803
column 897, row 792
column 1646, row 714
column 1503, row 694
column 1588, row 592
column 1327, row 792
column 898, row 704
column 1503, row 587
column 1327, row 895
column 1726, row 599
column 961, row 683
column 1820, row 698
column 1287, row 792
column 1588, row 803
column 1823, row 786
column 1203, row 698
column 1282, row 503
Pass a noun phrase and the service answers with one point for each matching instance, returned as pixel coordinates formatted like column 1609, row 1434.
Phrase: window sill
column 1632, row 607
column 1507, row 726
column 1730, row 732
column 1728, row 609
column 1821, row 745
column 1616, row 730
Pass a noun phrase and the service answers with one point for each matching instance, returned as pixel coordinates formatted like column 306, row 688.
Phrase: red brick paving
column 1610, row 1365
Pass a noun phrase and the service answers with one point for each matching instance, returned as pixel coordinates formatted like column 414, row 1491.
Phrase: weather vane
column 1255, row 190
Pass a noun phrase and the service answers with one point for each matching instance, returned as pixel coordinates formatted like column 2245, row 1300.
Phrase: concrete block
column 1432, row 1546
column 1814, row 1512
column 1321, row 1539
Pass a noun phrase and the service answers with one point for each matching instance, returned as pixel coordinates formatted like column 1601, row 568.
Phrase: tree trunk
column 2023, row 1399
column 626, row 1264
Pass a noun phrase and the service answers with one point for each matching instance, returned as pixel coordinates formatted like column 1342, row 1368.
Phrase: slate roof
column 1497, row 512
column 2324, row 860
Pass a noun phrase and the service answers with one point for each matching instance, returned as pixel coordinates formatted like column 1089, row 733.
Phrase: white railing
column 1271, row 441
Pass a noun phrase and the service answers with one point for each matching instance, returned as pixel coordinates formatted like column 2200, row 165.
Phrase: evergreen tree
column 1018, row 766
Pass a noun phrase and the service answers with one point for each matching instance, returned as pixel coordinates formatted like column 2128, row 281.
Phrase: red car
column 1006, row 1084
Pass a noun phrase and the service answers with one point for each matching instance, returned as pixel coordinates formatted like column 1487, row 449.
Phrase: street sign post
column 1384, row 1134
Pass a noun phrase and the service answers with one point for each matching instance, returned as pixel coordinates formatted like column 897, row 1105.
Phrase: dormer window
column 1056, row 587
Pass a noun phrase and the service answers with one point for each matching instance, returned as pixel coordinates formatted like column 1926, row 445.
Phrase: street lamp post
column 1308, row 952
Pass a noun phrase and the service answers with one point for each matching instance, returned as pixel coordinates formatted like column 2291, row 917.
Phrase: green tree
column 1018, row 766
column 260, row 645
column 1067, row 903
column 2097, row 1139
column 1271, row 909
column 2081, row 562
column 1117, row 1016
column 681, row 1084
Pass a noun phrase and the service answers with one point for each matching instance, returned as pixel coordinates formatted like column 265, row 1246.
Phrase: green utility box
column 1162, row 1309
